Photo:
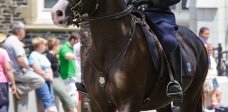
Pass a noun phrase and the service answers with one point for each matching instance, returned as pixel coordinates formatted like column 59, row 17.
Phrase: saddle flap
column 187, row 58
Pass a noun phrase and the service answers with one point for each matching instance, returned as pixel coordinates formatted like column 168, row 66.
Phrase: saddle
column 156, row 50
column 182, row 58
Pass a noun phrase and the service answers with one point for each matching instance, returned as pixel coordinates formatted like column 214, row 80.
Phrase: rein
column 103, row 74
column 76, row 9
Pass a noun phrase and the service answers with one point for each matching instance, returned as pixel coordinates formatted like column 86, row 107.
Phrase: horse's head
column 68, row 12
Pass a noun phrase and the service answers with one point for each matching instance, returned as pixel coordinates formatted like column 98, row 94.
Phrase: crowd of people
column 51, row 69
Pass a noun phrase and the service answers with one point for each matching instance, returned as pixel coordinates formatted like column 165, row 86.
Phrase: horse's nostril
column 59, row 13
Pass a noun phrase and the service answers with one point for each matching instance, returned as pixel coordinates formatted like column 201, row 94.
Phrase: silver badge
column 102, row 80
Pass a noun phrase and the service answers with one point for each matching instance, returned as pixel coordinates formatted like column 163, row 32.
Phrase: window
column 49, row 3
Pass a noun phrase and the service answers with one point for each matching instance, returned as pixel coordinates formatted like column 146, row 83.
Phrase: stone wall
column 9, row 12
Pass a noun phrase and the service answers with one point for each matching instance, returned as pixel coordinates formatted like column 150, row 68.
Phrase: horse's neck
column 109, row 38
column 110, row 32
column 111, row 35
column 109, row 7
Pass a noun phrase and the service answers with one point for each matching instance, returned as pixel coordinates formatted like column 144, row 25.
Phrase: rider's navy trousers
column 166, row 24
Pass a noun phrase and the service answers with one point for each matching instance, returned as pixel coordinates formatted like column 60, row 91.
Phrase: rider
column 160, row 14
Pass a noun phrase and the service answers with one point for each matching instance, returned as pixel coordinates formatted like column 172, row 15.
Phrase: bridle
column 80, row 8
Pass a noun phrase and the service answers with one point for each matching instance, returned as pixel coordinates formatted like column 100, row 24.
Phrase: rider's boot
column 81, row 88
column 174, row 89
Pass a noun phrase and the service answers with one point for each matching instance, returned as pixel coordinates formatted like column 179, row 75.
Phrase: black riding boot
column 174, row 89
column 81, row 88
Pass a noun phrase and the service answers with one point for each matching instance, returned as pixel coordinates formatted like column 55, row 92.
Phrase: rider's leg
column 166, row 31
column 174, row 89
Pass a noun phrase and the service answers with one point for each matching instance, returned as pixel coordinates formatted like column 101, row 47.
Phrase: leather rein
column 77, row 15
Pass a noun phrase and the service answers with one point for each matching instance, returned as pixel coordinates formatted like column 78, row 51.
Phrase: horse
column 119, row 74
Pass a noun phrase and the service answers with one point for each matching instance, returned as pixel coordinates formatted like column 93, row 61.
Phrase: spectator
column 67, row 66
column 42, row 66
column 204, row 34
column 211, row 84
column 26, row 80
column 77, row 53
column 58, row 84
column 6, row 73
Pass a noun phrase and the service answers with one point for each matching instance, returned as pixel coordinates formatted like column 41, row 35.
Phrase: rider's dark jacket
column 160, row 14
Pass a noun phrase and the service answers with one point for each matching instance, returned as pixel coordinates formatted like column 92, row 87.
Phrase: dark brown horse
column 119, row 72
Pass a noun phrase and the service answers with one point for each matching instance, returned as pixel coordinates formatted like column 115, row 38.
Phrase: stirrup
column 173, row 94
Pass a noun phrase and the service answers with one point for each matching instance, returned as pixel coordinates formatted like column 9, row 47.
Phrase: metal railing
column 222, row 60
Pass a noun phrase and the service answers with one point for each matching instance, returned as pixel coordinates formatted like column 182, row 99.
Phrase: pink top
column 3, row 57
